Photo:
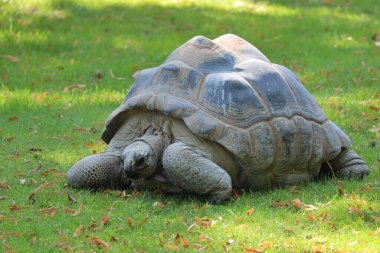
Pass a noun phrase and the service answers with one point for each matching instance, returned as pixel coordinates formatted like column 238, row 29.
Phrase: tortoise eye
column 140, row 161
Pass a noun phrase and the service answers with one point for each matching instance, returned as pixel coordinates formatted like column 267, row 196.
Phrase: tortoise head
column 139, row 160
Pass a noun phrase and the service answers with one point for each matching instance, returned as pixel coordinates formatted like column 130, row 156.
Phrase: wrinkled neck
column 157, row 140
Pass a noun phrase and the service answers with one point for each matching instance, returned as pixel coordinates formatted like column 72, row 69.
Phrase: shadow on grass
column 69, row 42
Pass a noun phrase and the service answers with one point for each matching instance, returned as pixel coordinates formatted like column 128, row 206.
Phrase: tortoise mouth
column 144, row 172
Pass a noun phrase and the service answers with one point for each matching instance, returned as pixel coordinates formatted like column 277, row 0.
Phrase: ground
column 65, row 65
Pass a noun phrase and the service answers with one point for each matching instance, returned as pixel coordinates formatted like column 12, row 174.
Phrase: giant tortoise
column 217, row 115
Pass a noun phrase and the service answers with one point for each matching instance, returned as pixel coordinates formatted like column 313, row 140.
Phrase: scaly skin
column 348, row 165
column 97, row 171
column 196, row 174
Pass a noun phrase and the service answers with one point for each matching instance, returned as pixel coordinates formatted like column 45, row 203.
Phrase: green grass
column 46, row 46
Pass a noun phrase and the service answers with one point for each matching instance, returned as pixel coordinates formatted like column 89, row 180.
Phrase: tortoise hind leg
column 348, row 165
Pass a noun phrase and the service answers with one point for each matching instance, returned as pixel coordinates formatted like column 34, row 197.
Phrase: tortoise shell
column 227, row 91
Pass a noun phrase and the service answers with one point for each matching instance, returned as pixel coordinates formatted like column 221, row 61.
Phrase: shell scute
column 230, row 98
column 272, row 87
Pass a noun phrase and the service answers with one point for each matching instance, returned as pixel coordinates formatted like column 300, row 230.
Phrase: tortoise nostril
column 139, row 161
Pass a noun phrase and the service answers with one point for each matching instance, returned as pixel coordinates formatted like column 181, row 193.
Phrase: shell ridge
column 291, row 88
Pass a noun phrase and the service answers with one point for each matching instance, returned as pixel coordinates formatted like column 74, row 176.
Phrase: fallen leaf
column 71, row 198
column 204, row 222
column 77, row 212
column 352, row 243
column 356, row 211
column 70, row 211
column 278, row 204
column 74, row 87
column 14, row 207
column 287, row 244
column 38, row 168
column 4, row 185
column 143, row 221
column 12, row 119
column 300, row 205
column 184, row 243
column 98, row 242
column 316, row 249
column 297, row 203
column 264, row 245
column 376, row 37
column 253, row 250
column 159, row 204
column 242, row 226
column 171, row 247
column 310, row 217
column 98, row 75
column 39, row 188
column 295, row 190
column 230, row 241
column 10, row 138
column 50, row 211
column 199, row 247
column 203, row 238
column 11, row 58
column 129, row 221
column 235, row 194
column 250, row 211
column 78, row 231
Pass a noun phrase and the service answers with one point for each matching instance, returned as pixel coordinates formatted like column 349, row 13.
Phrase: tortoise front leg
column 194, row 173
column 97, row 171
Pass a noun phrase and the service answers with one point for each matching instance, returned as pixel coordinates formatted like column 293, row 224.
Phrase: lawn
column 65, row 65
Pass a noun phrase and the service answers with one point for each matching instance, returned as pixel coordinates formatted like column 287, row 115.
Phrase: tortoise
column 217, row 115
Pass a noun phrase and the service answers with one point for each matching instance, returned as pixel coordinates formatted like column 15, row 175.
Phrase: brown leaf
column 159, row 204
column 4, row 185
column 98, row 242
column 356, row 211
column 316, row 249
column 12, row 119
column 199, row 247
column 171, row 247
column 38, row 168
column 310, row 217
column 242, row 226
column 297, row 203
column 278, row 204
column 143, row 221
column 300, row 205
column 74, row 87
column 49, row 211
column 14, row 207
column 264, row 245
column 204, row 222
column 79, row 230
column 11, row 58
column 10, row 138
column 184, row 243
column 71, row 198
column 252, row 250
column 77, row 212
column 235, row 194
column 39, row 188
column 129, row 221
column 295, row 190
column 250, row 211
column 68, row 210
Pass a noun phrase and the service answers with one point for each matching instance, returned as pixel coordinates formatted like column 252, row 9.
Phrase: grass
column 46, row 46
